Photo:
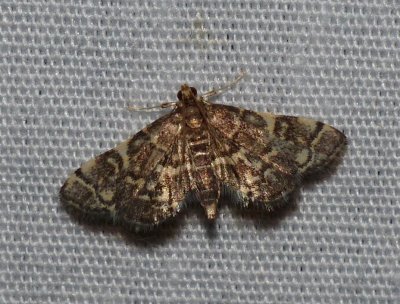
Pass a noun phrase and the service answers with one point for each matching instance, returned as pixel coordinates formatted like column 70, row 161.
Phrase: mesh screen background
column 70, row 68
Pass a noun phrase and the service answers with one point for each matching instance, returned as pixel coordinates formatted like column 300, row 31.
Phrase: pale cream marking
column 201, row 167
column 73, row 178
column 250, row 178
column 188, row 165
column 151, row 185
column 175, row 205
column 219, row 167
column 324, row 129
column 138, row 185
column 189, row 170
column 137, row 170
column 137, row 142
column 244, row 189
column 129, row 180
column 274, row 152
column 164, row 208
column 236, row 123
column 173, row 171
column 107, row 195
column 199, row 154
column 218, row 161
column 112, row 162
column 144, row 197
column 284, row 126
column 159, row 168
column 87, row 167
column 122, row 149
column 320, row 156
column 164, row 197
column 257, row 165
column 180, row 148
column 310, row 123
column 253, row 118
column 168, row 172
column 155, row 156
column 270, row 119
column 199, row 142
column 315, row 156
column 302, row 157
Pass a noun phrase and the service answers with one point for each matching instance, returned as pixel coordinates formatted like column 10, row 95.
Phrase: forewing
column 135, row 182
column 295, row 145
column 159, row 194
column 288, row 148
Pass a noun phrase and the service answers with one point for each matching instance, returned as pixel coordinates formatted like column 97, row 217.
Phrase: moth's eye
column 179, row 95
column 194, row 91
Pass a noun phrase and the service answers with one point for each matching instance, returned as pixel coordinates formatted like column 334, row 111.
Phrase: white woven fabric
column 70, row 68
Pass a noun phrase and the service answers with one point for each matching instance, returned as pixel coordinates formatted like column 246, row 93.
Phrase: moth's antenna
column 214, row 92
column 164, row 105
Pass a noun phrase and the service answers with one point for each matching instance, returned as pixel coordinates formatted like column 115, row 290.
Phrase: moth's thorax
column 193, row 117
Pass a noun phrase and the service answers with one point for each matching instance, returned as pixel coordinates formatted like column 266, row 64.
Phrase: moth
column 201, row 152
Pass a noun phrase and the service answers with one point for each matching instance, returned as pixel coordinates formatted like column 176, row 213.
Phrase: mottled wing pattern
column 264, row 155
column 251, row 177
column 137, row 181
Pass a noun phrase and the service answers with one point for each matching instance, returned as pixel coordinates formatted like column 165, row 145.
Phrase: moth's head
column 187, row 93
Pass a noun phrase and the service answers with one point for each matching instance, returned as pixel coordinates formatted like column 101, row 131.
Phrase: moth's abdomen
column 206, row 182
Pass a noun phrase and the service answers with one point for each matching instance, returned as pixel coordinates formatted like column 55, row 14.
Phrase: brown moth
column 201, row 152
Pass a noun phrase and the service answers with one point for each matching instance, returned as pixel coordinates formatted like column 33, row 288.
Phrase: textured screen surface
column 70, row 68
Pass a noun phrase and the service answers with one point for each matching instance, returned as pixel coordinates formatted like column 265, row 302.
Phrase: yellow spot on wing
column 107, row 195
column 302, row 157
